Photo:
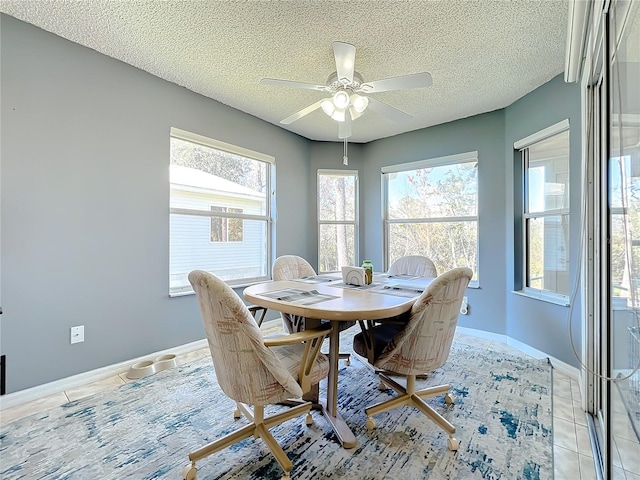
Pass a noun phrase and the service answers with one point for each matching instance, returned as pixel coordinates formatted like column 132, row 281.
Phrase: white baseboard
column 525, row 348
column 27, row 395
column 40, row 391
column 567, row 369
column 472, row 332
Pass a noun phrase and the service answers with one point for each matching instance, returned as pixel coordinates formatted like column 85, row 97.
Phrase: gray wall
column 85, row 198
column 544, row 326
column 85, row 202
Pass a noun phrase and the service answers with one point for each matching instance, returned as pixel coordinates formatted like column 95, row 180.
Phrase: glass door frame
column 598, row 332
column 595, row 341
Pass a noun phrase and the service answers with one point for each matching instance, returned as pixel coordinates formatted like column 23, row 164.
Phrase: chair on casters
column 419, row 346
column 290, row 267
column 253, row 370
column 413, row 265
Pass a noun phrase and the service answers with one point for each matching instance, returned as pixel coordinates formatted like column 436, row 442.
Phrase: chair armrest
column 312, row 340
column 298, row 337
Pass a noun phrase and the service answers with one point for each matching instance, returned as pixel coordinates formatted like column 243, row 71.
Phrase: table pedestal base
column 342, row 431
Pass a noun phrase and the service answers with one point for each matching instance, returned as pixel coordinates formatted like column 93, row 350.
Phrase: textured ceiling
column 483, row 55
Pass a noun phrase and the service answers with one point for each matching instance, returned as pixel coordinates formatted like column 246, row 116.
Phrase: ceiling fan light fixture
column 359, row 103
column 341, row 99
column 338, row 115
column 328, row 107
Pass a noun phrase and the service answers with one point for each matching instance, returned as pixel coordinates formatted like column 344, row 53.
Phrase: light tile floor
column 626, row 449
column 573, row 459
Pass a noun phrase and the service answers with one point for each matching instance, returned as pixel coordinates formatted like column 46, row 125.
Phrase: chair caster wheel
column 371, row 423
column 382, row 386
column 347, row 362
column 453, row 444
column 189, row 472
column 237, row 413
column 286, row 476
column 308, row 419
column 449, row 399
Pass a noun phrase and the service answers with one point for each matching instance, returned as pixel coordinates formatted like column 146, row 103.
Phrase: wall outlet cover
column 77, row 334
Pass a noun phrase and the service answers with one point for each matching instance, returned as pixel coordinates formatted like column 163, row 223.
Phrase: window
column 337, row 219
column 220, row 211
column 226, row 229
column 545, row 249
column 431, row 209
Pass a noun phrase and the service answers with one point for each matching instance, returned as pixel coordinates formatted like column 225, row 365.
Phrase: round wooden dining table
column 333, row 300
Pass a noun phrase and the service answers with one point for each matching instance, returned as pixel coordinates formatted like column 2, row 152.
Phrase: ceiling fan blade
column 388, row 111
column 344, row 128
column 302, row 113
column 416, row 80
column 345, row 54
column 289, row 83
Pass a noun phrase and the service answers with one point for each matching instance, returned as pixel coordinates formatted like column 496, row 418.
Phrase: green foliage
column 243, row 171
column 433, row 204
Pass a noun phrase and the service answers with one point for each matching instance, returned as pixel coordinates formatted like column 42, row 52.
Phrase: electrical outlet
column 77, row 334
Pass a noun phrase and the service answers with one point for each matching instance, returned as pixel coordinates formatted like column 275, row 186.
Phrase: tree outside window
column 226, row 229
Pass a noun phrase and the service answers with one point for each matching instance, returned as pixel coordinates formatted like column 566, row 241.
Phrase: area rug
column 145, row 429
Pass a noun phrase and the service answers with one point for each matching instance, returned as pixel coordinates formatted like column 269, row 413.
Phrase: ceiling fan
column 349, row 93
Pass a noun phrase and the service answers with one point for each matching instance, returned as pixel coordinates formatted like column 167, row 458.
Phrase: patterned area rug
column 145, row 429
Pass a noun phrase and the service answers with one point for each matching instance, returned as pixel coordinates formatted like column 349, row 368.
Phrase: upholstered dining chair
column 413, row 265
column 290, row 267
column 253, row 370
column 421, row 345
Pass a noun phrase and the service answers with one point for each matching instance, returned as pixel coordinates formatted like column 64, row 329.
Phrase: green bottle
column 368, row 272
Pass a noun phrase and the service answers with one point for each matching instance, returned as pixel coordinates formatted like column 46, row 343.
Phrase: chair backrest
column 424, row 344
column 413, row 265
column 288, row 267
column 247, row 371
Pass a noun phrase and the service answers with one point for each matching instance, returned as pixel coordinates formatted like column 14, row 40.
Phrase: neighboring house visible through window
column 431, row 209
column 220, row 211
column 545, row 213
column 337, row 219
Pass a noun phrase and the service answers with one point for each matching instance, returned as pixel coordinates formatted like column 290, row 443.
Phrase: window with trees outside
column 432, row 210
column 337, row 219
column 545, row 215
column 220, row 211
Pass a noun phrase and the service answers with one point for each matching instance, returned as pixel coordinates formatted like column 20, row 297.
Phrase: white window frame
column 523, row 146
column 355, row 222
column 266, row 217
column 432, row 162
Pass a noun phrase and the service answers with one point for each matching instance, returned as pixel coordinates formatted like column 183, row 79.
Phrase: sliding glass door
column 623, row 201
column 612, row 266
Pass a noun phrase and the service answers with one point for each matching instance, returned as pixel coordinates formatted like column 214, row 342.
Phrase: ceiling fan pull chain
column 345, row 159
